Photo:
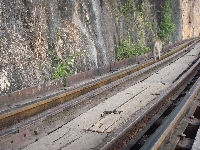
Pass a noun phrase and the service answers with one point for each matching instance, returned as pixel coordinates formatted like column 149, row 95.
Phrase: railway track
column 172, row 128
column 35, row 121
column 177, row 121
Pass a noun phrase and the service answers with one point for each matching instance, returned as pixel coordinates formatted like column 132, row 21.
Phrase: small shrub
column 127, row 50
column 64, row 69
column 124, row 50
column 140, row 49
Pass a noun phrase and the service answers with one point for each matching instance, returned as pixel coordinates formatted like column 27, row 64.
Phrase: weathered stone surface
column 36, row 35
column 190, row 18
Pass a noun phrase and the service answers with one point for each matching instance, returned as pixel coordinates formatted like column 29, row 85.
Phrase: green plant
column 136, row 14
column 116, row 12
column 124, row 50
column 141, row 49
column 166, row 26
column 126, row 9
column 46, row 77
column 64, row 69
column 142, row 7
column 127, row 50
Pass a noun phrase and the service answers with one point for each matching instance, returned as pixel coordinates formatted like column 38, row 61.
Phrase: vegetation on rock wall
column 166, row 26
column 137, row 12
column 139, row 25
column 39, row 37
column 64, row 69
column 126, row 50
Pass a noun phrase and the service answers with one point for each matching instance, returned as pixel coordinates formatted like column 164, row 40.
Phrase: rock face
column 190, row 18
column 35, row 35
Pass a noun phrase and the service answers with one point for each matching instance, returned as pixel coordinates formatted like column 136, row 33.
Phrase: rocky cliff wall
column 190, row 18
column 36, row 35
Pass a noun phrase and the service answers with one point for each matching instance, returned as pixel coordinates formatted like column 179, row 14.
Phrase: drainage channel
column 188, row 136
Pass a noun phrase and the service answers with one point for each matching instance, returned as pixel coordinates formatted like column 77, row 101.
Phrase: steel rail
column 115, row 139
column 162, row 132
column 14, row 116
